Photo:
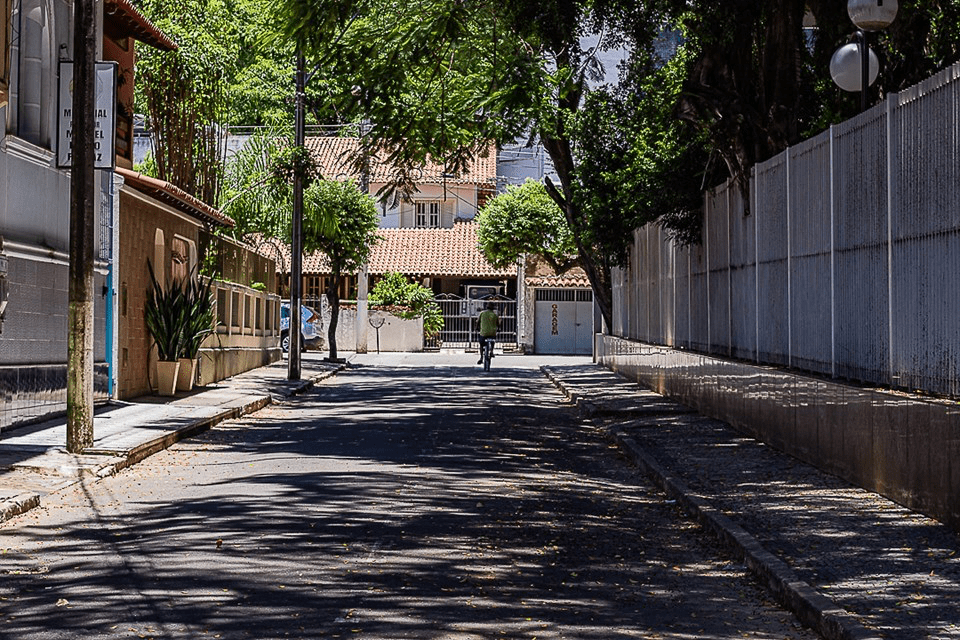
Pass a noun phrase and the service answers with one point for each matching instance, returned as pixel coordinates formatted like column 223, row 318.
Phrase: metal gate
column 460, row 321
column 563, row 321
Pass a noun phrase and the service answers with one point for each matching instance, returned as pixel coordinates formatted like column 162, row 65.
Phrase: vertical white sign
column 105, row 156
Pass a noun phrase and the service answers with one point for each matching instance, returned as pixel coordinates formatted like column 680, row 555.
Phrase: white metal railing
column 845, row 263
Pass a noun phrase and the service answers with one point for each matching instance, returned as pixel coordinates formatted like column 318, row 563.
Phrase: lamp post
column 854, row 67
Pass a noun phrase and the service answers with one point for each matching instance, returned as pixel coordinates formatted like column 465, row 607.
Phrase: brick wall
column 140, row 219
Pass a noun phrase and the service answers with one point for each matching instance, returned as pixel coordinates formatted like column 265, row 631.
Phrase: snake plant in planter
column 165, row 312
column 200, row 321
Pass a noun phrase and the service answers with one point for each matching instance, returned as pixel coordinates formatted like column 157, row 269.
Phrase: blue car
column 311, row 328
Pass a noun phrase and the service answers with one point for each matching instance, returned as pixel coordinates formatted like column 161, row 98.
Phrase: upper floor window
column 427, row 214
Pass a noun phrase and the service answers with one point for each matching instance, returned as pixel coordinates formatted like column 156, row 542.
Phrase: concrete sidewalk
column 849, row 563
column 34, row 461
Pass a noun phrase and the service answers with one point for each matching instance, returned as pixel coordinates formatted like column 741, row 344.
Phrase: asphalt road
column 410, row 497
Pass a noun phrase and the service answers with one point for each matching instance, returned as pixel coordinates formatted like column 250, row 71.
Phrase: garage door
column 563, row 321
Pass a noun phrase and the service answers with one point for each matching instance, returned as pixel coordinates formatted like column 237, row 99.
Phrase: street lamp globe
column 845, row 67
column 872, row 15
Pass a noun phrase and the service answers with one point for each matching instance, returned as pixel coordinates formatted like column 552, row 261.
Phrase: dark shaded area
column 397, row 503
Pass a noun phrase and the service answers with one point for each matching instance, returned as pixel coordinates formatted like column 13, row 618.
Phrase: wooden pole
column 82, row 200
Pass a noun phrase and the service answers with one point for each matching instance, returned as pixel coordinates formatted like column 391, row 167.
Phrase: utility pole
column 82, row 199
column 363, row 277
column 296, row 241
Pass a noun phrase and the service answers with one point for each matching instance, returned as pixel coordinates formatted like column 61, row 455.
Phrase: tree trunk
column 333, row 299
column 596, row 268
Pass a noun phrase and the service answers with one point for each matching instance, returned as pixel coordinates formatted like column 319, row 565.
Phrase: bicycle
column 486, row 352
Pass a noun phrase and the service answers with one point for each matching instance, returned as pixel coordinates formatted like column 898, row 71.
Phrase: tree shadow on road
column 392, row 504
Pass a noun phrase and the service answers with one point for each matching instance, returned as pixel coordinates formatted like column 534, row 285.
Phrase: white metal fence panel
column 925, row 235
column 810, row 250
column 846, row 261
column 717, row 245
column 743, row 276
column 862, row 312
column 773, row 268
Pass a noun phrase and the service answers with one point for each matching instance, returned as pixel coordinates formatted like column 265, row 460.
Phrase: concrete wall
column 247, row 336
column 904, row 447
column 396, row 334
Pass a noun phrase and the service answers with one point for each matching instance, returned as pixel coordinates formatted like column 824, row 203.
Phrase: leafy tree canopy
column 340, row 222
column 525, row 220
column 442, row 78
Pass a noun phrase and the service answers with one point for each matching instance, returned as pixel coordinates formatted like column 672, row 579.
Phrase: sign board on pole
column 105, row 156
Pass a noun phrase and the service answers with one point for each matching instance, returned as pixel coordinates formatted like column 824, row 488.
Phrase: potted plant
column 200, row 321
column 165, row 312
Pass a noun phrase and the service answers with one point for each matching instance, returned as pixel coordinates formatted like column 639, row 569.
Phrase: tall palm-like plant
column 201, row 317
column 166, row 313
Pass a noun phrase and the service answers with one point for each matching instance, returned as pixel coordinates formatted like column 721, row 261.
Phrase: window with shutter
column 427, row 214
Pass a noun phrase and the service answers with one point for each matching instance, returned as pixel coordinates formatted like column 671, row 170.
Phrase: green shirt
column 488, row 323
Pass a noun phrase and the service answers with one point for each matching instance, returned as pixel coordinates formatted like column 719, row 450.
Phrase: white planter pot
column 187, row 374
column 167, row 377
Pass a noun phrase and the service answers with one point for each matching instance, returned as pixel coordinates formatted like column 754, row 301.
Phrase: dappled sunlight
column 385, row 504
column 870, row 556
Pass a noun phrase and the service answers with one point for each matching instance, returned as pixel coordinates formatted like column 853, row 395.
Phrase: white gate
column 563, row 323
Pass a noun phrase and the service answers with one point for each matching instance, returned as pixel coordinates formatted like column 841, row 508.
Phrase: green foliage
column 184, row 91
column 253, row 196
column 166, row 311
column 525, row 220
column 180, row 316
column 395, row 290
column 290, row 162
column 637, row 162
column 341, row 222
column 148, row 167
column 200, row 319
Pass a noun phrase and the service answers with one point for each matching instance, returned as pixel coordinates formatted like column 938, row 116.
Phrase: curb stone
column 22, row 503
column 809, row 606
column 19, row 504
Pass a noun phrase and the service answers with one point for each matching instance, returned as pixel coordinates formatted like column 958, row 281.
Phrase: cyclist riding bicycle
column 489, row 323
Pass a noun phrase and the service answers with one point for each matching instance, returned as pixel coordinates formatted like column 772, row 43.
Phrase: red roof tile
column 566, row 281
column 175, row 197
column 420, row 252
column 334, row 156
column 137, row 25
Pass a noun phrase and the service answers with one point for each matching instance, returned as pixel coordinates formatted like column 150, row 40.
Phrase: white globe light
column 872, row 15
column 845, row 67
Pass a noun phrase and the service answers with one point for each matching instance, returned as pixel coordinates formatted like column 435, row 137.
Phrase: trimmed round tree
column 341, row 222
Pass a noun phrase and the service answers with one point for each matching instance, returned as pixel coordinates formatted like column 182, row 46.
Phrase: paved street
column 411, row 496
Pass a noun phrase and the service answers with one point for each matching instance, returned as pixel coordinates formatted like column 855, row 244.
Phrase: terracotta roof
column 175, row 197
column 137, row 25
column 537, row 273
column 419, row 252
column 566, row 281
column 334, row 154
